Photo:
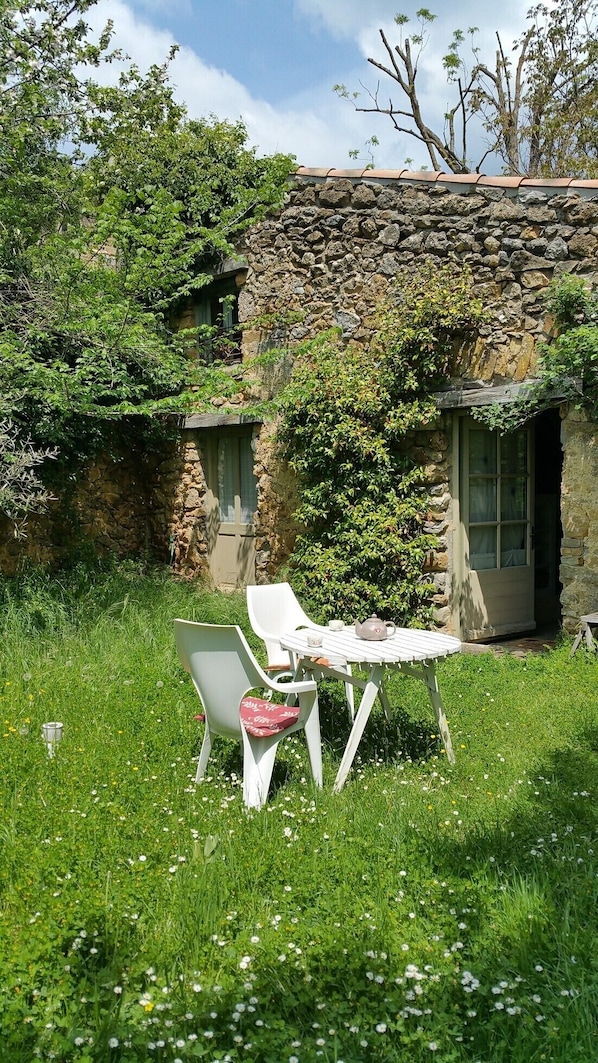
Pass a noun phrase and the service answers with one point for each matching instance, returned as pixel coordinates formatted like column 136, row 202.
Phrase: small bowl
column 314, row 639
column 336, row 625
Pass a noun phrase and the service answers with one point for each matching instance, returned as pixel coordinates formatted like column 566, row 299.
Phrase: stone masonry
column 331, row 255
column 328, row 258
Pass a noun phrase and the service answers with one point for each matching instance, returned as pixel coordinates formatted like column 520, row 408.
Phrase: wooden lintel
column 463, row 398
column 219, row 420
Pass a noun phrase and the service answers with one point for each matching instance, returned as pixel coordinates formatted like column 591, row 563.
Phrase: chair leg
column 258, row 764
column 204, row 756
column 312, row 735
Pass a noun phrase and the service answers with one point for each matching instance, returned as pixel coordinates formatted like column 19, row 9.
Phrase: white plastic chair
column 273, row 610
column 224, row 670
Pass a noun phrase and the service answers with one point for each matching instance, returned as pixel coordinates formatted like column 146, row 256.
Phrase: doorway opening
column 507, row 565
column 547, row 523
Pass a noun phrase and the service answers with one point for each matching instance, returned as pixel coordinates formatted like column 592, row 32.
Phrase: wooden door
column 231, row 504
column 495, row 569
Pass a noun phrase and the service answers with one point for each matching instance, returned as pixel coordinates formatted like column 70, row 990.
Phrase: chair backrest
column 274, row 609
column 222, row 668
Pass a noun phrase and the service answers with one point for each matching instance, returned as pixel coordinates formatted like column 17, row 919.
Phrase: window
column 217, row 320
column 498, row 505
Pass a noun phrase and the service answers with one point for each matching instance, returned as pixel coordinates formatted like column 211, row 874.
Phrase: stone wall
column 332, row 254
column 579, row 513
column 107, row 508
column 327, row 259
column 334, row 250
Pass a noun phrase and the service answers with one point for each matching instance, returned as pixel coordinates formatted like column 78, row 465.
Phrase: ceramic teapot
column 375, row 629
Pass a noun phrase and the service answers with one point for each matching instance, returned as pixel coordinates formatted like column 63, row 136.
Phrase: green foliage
column 21, row 490
column 171, row 194
column 113, row 207
column 346, row 419
column 568, row 367
column 424, row 905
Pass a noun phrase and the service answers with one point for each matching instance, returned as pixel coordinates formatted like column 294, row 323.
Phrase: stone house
column 516, row 516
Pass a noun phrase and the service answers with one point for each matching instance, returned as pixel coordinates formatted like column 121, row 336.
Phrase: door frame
column 245, row 572
column 460, row 571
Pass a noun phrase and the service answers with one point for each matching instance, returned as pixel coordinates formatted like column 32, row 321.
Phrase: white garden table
column 412, row 652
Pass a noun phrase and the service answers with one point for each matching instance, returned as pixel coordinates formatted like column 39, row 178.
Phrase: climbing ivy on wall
column 568, row 365
column 348, row 415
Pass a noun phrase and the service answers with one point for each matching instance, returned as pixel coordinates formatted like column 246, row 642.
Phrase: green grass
column 424, row 913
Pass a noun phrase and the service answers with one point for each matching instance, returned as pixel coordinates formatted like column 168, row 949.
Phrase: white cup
column 314, row 639
column 336, row 625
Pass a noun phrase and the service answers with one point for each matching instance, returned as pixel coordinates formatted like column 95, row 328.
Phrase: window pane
column 227, row 452
column 513, row 551
column 248, row 484
column 513, row 453
column 482, row 500
column 482, row 548
column 513, row 501
column 482, row 451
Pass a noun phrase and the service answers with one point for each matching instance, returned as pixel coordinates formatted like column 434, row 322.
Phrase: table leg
column 577, row 642
column 432, row 684
column 370, row 692
column 384, row 701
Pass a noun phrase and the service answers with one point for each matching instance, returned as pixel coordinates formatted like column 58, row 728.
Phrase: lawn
column 424, row 913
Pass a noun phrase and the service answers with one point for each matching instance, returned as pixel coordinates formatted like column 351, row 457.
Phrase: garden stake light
column 52, row 734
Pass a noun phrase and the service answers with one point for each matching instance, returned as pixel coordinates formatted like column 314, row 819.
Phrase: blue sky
column 273, row 63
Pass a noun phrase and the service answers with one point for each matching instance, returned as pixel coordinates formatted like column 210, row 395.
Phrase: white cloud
column 344, row 18
column 313, row 125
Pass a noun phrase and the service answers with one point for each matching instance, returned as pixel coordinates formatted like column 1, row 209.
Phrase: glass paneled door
column 496, row 594
column 231, row 503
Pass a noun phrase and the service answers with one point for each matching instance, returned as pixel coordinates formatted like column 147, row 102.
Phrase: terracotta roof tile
column 500, row 182
column 433, row 176
column 462, row 178
column 429, row 176
column 386, row 175
column 347, row 173
column 546, row 182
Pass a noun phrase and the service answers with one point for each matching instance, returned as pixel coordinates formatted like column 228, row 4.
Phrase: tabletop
column 406, row 645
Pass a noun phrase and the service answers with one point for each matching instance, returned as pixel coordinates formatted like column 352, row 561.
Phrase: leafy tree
column 21, row 490
column 173, row 194
column 113, row 206
column 535, row 105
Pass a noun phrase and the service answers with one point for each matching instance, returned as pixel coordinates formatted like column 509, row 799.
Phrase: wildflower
column 432, row 1046
column 113, row 1042
column 381, row 1027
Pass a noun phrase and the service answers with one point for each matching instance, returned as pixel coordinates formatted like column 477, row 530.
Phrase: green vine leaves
column 350, row 416
column 568, row 366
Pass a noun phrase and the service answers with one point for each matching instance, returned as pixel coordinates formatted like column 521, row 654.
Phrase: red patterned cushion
column 263, row 718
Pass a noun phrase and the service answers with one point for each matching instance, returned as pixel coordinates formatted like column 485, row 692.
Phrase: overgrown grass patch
column 424, row 913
